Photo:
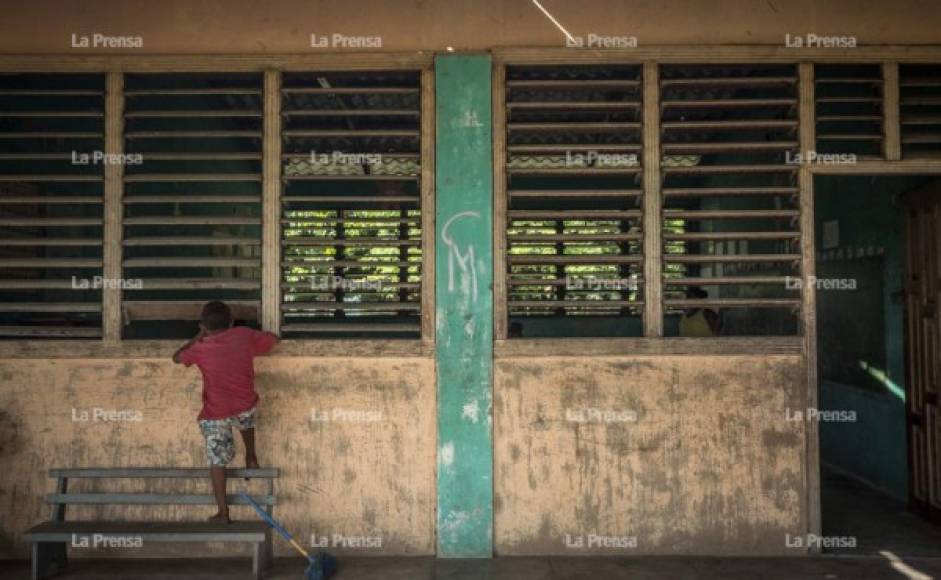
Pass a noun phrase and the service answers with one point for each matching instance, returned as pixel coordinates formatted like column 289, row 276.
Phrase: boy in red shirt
column 225, row 357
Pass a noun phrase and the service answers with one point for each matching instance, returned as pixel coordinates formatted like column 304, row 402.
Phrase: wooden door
column 923, row 346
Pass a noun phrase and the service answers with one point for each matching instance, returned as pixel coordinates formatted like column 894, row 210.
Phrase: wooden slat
column 808, row 322
column 50, row 178
column 35, row 284
column 599, row 127
column 356, row 133
column 715, row 236
column 195, row 134
column 351, row 113
column 729, row 258
column 736, row 169
column 51, row 135
column 50, row 331
column 195, row 262
column 357, row 177
column 574, row 171
column 198, row 114
column 892, row 144
column 51, row 199
column 572, row 105
column 729, row 125
column 165, row 177
column 159, row 472
column 40, row 222
column 522, row 259
column 50, row 263
column 271, row 205
column 69, row 307
column 573, row 193
column 140, row 199
column 350, row 91
column 49, row 242
column 500, row 88
column 728, row 191
column 192, row 241
column 581, row 84
column 427, row 191
column 653, row 205
column 51, row 114
column 573, row 148
column 327, row 262
column 354, row 242
column 114, row 498
column 728, row 82
column 744, row 214
column 848, row 80
column 345, row 306
column 190, row 220
column 184, row 310
column 199, row 284
column 726, row 103
column 348, row 199
column 580, row 304
column 178, row 156
column 736, row 303
column 738, row 146
column 574, row 237
column 725, row 280
column 573, row 215
column 352, row 327
column 197, row 91
column 848, row 118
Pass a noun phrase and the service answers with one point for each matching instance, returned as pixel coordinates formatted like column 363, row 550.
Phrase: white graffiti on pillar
column 463, row 260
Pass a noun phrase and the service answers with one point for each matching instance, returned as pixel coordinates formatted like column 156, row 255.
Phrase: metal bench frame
column 49, row 548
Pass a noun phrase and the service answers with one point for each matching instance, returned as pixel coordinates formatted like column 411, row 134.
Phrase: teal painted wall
column 464, row 298
column 873, row 448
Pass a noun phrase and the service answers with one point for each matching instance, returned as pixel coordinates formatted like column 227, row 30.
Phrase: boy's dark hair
column 216, row 315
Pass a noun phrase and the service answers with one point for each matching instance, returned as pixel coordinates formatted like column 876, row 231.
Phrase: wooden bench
column 50, row 539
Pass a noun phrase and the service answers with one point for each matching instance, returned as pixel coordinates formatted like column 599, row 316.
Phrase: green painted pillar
column 464, row 298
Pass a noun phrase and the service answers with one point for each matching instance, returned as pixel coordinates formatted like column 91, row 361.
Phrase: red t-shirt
column 226, row 361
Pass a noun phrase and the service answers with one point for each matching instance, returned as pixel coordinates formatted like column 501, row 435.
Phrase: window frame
column 111, row 343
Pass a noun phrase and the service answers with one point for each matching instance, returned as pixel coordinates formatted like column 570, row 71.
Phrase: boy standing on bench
column 225, row 357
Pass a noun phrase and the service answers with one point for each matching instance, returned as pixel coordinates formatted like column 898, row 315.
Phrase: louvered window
column 849, row 109
column 920, row 104
column 192, row 206
column 573, row 198
column 729, row 135
column 51, row 194
column 351, row 204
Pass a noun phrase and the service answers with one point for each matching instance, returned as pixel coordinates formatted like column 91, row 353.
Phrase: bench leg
column 258, row 560
column 47, row 557
column 269, row 550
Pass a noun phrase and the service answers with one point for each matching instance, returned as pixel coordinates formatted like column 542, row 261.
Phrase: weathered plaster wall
column 285, row 26
column 371, row 478
column 710, row 466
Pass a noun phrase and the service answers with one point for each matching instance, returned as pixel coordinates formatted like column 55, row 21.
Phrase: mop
column 320, row 567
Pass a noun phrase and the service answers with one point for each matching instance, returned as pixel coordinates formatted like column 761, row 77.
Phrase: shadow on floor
column 879, row 522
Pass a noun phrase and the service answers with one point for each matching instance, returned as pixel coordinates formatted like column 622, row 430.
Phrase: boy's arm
column 265, row 341
column 189, row 343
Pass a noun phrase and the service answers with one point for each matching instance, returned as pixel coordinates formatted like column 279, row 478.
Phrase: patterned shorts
column 220, row 445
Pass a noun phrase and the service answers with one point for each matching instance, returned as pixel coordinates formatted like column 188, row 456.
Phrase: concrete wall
column 285, row 26
column 373, row 479
column 710, row 466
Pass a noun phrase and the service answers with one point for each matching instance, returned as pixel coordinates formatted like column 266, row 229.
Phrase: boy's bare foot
column 251, row 463
column 219, row 518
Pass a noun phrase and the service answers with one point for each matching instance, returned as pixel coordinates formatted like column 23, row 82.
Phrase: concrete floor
column 891, row 543
column 653, row 568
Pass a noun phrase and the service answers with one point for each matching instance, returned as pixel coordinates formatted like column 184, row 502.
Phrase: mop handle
column 271, row 522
